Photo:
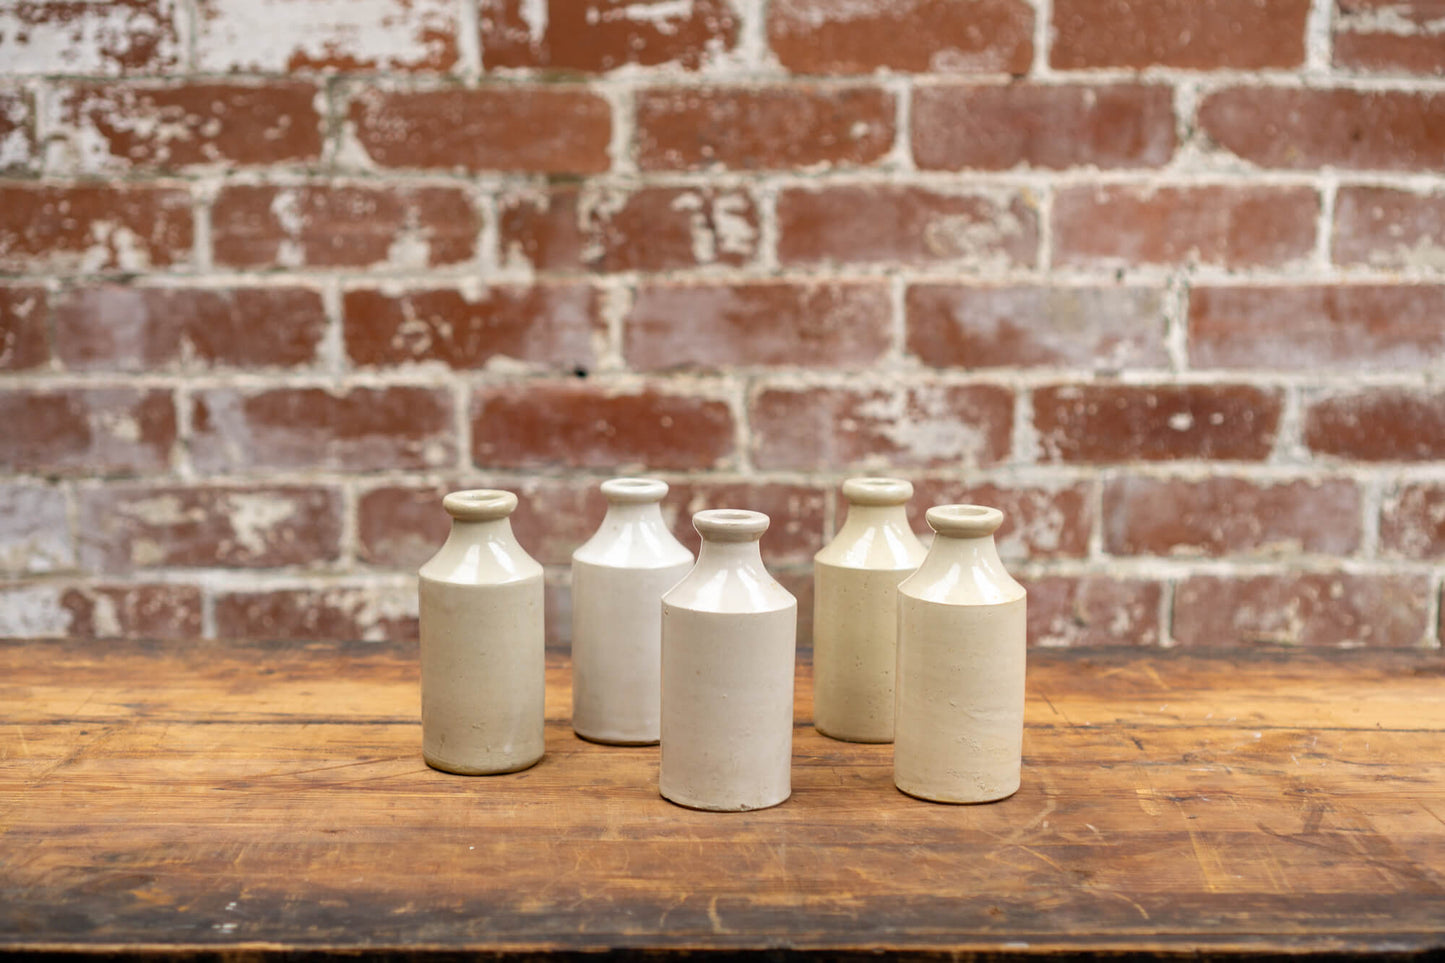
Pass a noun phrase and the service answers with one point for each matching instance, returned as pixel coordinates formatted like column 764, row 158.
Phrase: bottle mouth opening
column 480, row 504
column 730, row 524
column 634, row 491
column 877, row 491
column 964, row 521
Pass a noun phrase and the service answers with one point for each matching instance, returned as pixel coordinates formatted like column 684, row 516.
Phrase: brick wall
column 1163, row 279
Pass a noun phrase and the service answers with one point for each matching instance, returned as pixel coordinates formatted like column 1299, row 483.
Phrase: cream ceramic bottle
column 729, row 638
column 855, row 611
column 618, row 578
column 958, row 735
column 482, row 643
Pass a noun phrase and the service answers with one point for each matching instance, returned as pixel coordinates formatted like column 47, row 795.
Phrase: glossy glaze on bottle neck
column 729, row 575
column 481, row 551
column 963, row 566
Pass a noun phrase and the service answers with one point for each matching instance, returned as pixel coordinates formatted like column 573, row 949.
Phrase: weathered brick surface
column 600, row 35
column 1121, row 423
column 24, row 341
column 372, row 613
column 1038, row 522
column 1412, row 521
column 17, row 131
column 552, row 325
column 1230, row 227
column 79, row 37
column 119, row 327
column 86, row 431
column 991, row 326
column 795, row 512
column 1383, row 424
column 1360, row 327
column 1303, row 609
column 325, row 226
column 1389, row 36
column 711, row 325
column 1045, row 126
column 1092, row 610
column 653, row 229
column 927, row 425
column 93, row 227
column 360, row 429
column 34, row 529
column 107, row 611
column 1191, row 34
column 762, row 128
column 542, row 129
column 842, row 225
column 1231, row 516
column 1387, row 228
column 925, row 36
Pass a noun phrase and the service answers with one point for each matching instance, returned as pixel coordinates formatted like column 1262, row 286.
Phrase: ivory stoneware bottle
column 958, row 735
column 618, row 578
column 482, row 643
column 729, row 635
column 855, row 611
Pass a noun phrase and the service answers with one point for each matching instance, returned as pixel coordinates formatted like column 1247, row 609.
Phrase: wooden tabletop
column 180, row 799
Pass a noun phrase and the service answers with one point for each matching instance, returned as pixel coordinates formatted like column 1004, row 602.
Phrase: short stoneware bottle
column 729, row 639
column 958, row 735
column 618, row 578
column 855, row 611
column 482, row 643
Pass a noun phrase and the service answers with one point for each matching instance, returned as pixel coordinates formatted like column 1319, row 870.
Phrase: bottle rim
column 480, row 504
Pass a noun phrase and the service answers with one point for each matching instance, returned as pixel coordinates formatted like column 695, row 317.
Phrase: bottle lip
column 634, row 491
column 877, row 491
column 730, row 524
column 964, row 521
column 480, row 504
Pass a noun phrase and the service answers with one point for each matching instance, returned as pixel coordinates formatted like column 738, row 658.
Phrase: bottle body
column 855, row 611
column 483, row 662
column 729, row 639
column 618, row 580
column 962, row 637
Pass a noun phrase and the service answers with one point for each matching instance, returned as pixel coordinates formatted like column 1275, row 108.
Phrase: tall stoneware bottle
column 958, row 736
column 729, row 636
column 618, row 577
column 855, row 611
column 482, row 643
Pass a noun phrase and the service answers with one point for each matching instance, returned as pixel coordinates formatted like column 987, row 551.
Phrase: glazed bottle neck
column 863, row 517
column 745, row 556
column 493, row 535
column 964, row 570
column 648, row 514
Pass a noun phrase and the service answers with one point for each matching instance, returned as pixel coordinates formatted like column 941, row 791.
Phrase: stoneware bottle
column 729, row 634
column 958, row 736
column 482, row 641
column 618, row 577
column 855, row 611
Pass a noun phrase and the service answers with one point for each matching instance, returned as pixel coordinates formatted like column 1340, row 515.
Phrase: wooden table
column 181, row 800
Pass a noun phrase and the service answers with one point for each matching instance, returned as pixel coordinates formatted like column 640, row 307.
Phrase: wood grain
column 253, row 800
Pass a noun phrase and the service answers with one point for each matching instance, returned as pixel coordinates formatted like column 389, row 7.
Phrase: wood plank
column 259, row 799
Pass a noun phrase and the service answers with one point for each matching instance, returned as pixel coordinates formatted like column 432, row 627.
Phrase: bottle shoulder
column 891, row 547
column 633, row 545
column 730, row 590
column 482, row 560
column 962, row 574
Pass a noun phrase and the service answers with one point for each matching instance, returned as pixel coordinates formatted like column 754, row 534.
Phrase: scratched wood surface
column 180, row 800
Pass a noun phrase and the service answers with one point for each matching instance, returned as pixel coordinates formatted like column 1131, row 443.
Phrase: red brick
column 87, row 431
column 1091, row 611
column 1387, row 228
column 255, row 226
column 599, row 35
column 1228, row 227
column 1381, row 424
column 17, row 133
column 1303, row 609
column 343, row 612
column 1048, row 126
column 1305, row 128
column 123, row 527
column 548, row 324
column 651, row 229
column 85, row 611
column 962, row 326
column 1188, row 34
column 795, row 532
column 1395, row 36
column 1231, row 516
column 762, row 128
column 1120, row 423
column 356, row 429
column 93, row 227
column 286, row 36
column 542, row 424
column 1356, row 327
column 923, row 36
column 121, row 327
column 1412, row 521
column 924, row 425
column 1038, row 521
column 23, row 339
column 551, row 129
column 81, row 37
column 765, row 323
column 907, row 225
column 35, row 531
